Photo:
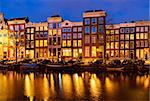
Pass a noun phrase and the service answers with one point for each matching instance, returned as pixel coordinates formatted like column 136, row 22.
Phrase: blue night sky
column 38, row 10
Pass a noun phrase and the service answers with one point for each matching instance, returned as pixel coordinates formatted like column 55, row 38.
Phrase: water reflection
column 77, row 86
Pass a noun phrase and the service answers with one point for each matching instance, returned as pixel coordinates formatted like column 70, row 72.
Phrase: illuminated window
column 146, row 29
column 137, row 29
column 87, row 39
column 87, row 51
column 112, row 53
column 121, row 53
column 45, row 43
column 122, row 45
column 64, row 43
column 93, row 29
column 79, row 43
column 41, row 28
column 107, row 31
column 79, row 35
column 126, row 36
column 68, row 43
column 87, row 21
column 131, row 36
column 116, row 37
column 122, row 36
column 37, row 28
column 75, row 53
column 74, row 43
column 45, row 27
column 59, row 32
column 146, row 43
column 137, row 36
column 112, row 38
column 146, row 36
column 112, row 45
column 94, row 39
column 142, row 29
column 137, row 43
column 141, row 35
column 74, row 35
column 32, row 37
column 67, row 52
column 112, row 31
column 16, row 27
column 54, row 32
column 126, row 53
column 126, row 44
column 11, row 28
column 131, row 44
column 41, row 43
column 116, row 45
column 93, row 51
column 37, row 43
column 32, row 30
column 50, row 25
column 142, row 43
column 107, row 46
column 116, row 31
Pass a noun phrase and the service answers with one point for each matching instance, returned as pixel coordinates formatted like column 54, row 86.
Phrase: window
column 16, row 27
column 28, row 30
column 93, row 29
column 37, row 28
column 45, row 34
column 74, row 43
column 67, row 52
column 64, row 43
column 54, row 32
column 127, row 44
column 126, row 30
column 121, row 53
column 75, row 53
column 45, row 43
column 37, row 43
column 54, row 25
column 122, row 36
column 79, row 35
column 131, row 36
column 45, row 27
column 137, row 36
column 37, row 34
column 94, row 20
column 146, row 36
column 122, row 45
column 68, row 36
column 112, row 45
column 146, row 43
column 87, row 39
column 79, row 29
column 59, row 32
column 94, row 39
column 50, row 25
column 32, row 37
column 146, row 29
column 131, row 44
column 68, row 29
column 112, row 31
column 116, row 37
column 11, row 28
column 142, row 29
column 50, row 32
column 101, row 28
column 137, row 29
column 93, row 51
column 101, row 20
column 137, row 43
column 87, row 30
column 74, row 35
column 126, row 36
column 79, row 43
column 122, row 30
column 41, row 28
column 142, row 43
column 116, row 45
column 80, row 51
column 87, row 51
column 64, row 36
column 132, row 30
column 141, row 35
column 107, row 46
column 107, row 31
column 64, row 30
column 87, row 21
column 32, row 30
column 68, row 43
column 59, row 25
column 41, row 34
column 41, row 43
column 116, row 31
column 22, row 27
column 75, row 29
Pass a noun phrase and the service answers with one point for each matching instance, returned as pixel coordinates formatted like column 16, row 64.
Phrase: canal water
column 55, row 86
